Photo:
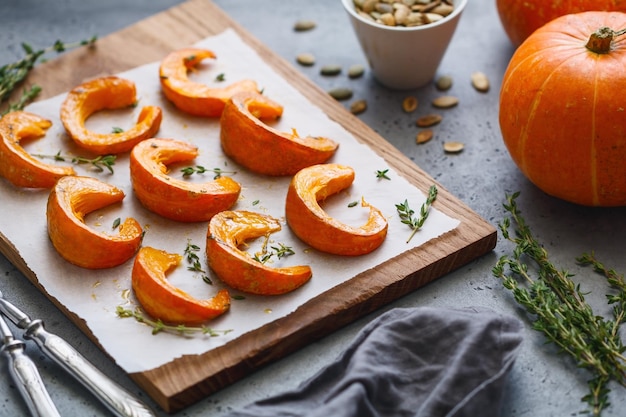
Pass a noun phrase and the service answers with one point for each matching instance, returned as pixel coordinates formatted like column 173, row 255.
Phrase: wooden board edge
column 477, row 236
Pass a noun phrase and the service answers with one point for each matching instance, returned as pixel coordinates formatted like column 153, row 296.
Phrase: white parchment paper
column 94, row 295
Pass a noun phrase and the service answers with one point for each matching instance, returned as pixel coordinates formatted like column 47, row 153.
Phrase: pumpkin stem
column 601, row 40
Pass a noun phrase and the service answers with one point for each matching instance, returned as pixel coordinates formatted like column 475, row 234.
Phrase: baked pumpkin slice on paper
column 107, row 93
column 70, row 200
column 162, row 300
column 308, row 220
column 173, row 198
column 262, row 149
column 17, row 165
column 192, row 97
column 227, row 232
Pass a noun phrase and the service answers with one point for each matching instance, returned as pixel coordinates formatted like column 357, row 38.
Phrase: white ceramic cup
column 401, row 57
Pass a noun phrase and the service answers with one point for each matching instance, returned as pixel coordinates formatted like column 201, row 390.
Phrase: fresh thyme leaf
column 238, row 297
column 220, row 77
column 99, row 163
column 117, row 130
column 353, row 203
column 382, row 174
column 407, row 214
column 255, row 202
column 158, row 326
column 116, row 223
column 559, row 309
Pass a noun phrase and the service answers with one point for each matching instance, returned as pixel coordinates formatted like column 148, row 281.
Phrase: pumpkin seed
column 480, row 82
column 445, row 102
column 453, row 147
column 355, row 71
column 409, row 104
column 303, row 25
column 330, row 70
column 306, row 59
column 443, row 83
column 424, row 136
column 340, row 93
column 358, row 107
column 429, row 120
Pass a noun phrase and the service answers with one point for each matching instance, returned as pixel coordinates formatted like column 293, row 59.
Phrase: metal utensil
column 119, row 401
column 25, row 374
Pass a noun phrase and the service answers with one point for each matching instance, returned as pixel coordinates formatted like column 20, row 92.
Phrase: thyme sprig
column 559, row 308
column 159, row 326
column 407, row 214
column 280, row 251
column 192, row 257
column 99, row 163
column 199, row 169
column 12, row 74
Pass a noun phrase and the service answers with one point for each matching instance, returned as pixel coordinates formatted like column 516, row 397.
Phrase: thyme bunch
column 559, row 308
column 12, row 74
column 159, row 326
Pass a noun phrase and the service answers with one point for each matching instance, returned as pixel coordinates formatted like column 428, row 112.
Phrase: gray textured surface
column 542, row 383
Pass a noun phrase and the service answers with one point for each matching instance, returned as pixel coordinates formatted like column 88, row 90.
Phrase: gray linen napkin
column 418, row 362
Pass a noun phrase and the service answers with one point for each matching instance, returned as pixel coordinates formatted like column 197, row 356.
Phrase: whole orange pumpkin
column 563, row 108
column 520, row 18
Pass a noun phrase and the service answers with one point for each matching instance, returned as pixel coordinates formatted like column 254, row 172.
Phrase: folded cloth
column 418, row 362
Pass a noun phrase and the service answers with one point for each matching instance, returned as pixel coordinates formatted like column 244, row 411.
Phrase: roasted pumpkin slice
column 173, row 198
column 262, row 149
column 70, row 200
column 166, row 302
column 229, row 230
column 17, row 165
column 315, row 227
column 192, row 97
column 102, row 94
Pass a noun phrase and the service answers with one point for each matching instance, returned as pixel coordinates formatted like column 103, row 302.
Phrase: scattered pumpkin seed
column 453, row 147
column 306, row 59
column 330, row 70
column 443, row 83
column 358, row 107
column 424, row 136
column 304, row 25
column 355, row 71
column 445, row 102
column 340, row 93
column 409, row 104
column 429, row 120
column 480, row 81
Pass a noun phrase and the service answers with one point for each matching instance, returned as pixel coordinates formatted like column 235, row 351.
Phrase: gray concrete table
column 542, row 383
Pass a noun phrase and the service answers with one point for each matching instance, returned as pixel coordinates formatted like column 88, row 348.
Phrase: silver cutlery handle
column 28, row 381
column 120, row 402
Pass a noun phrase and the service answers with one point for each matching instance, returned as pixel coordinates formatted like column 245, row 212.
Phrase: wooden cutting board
column 186, row 380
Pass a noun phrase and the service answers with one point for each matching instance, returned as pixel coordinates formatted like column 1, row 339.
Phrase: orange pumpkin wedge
column 191, row 97
column 315, row 227
column 230, row 229
column 107, row 93
column 261, row 148
column 177, row 199
column 17, row 165
column 70, row 200
column 166, row 302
